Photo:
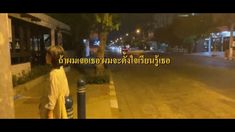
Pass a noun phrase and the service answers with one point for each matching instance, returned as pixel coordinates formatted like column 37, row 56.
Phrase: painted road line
column 114, row 103
column 112, row 93
column 111, row 87
column 113, row 99
column 111, row 82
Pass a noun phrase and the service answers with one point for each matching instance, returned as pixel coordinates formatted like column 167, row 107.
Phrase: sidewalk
column 207, row 54
column 98, row 99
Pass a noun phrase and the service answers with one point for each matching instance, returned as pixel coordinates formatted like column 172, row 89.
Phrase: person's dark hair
column 55, row 52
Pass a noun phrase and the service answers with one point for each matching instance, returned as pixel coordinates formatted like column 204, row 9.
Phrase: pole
column 231, row 43
column 6, row 87
column 81, row 99
column 209, row 45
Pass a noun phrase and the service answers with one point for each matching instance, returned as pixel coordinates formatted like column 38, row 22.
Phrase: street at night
column 117, row 65
column 190, row 87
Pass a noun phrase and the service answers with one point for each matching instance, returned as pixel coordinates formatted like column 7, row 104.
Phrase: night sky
column 129, row 21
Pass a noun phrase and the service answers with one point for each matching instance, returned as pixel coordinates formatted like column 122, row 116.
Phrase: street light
column 137, row 31
column 127, row 34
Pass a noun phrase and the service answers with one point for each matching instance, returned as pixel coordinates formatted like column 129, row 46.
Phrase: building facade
column 29, row 36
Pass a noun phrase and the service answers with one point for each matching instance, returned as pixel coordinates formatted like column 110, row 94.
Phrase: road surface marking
column 112, row 87
column 114, row 103
column 112, row 93
column 111, row 82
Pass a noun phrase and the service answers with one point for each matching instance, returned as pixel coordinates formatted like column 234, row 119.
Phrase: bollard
column 69, row 107
column 81, row 99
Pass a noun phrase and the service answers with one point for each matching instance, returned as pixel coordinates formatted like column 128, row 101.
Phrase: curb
column 113, row 97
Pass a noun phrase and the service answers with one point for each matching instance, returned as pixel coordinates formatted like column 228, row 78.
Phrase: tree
column 104, row 24
column 83, row 24
column 166, row 35
column 136, row 42
column 191, row 28
column 226, row 20
column 185, row 31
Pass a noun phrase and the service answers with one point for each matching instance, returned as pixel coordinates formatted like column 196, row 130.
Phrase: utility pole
column 6, row 88
column 230, row 56
column 209, row 44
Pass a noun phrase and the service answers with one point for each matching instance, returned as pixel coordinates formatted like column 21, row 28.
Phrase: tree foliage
column 106, row 22
column 186, row 30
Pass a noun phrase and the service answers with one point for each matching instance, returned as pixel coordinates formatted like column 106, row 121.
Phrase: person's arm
column 52, row 96
column 50, row 114
column 67, row 92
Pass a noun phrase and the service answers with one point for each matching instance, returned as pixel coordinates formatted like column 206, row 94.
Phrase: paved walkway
column 98, row 99
column 214, row 54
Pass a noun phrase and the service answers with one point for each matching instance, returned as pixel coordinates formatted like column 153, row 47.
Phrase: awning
column 30, row 16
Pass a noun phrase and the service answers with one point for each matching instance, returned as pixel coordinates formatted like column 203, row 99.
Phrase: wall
column 18, row 68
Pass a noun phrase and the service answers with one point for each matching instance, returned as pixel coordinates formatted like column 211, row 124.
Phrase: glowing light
column 137, row 31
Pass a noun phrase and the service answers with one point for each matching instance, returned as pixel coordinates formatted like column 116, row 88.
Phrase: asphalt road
column 190, row 87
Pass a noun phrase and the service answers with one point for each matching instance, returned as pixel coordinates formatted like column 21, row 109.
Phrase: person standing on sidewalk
column 52, row 103
column 226, row 48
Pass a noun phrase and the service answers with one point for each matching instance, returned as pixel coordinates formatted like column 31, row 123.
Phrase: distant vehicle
column 124, row 50
column 134, row 48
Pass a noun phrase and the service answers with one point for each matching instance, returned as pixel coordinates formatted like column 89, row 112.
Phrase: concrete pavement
column 214, row 54
column 98, row 99
column 191, row 87
column 188, row 88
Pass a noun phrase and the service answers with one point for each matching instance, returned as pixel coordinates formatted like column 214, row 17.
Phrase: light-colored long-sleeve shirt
column 57, row 92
